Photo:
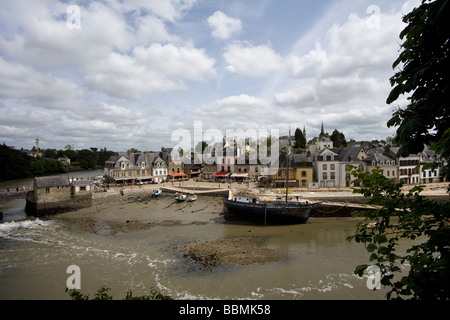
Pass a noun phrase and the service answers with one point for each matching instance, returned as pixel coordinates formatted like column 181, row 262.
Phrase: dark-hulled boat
column 250, row 209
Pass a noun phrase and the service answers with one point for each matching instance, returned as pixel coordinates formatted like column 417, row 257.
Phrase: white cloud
column 19, row 82
column 136, row 69
column 157, row 68
column 223, row 26
column 253, row 61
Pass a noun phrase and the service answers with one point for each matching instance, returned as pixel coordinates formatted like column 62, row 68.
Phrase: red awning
column 220, row 175
column 174, row 175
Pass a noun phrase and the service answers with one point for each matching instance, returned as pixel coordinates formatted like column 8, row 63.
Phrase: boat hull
column 267, row 213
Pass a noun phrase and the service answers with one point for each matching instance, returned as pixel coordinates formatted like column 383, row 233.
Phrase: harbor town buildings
column 321, row 166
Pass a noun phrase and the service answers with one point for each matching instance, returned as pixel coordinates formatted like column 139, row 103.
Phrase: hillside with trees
column 17, row 164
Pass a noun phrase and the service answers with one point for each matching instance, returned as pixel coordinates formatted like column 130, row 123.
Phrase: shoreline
column 107, row 215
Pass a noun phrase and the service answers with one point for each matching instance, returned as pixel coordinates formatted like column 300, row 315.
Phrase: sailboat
column 251, row 209
column 192, row 197
column 180, row 196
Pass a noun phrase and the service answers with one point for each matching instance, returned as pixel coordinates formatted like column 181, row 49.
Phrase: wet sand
column 112, row 216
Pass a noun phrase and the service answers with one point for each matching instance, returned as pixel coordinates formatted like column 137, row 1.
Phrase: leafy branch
column 102, row 294
column 407, row 216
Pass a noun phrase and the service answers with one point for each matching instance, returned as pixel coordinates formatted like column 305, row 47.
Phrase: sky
column 134, row 74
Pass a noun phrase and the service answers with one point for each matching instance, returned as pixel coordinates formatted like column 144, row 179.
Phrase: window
column 303, row 173
column 331, row 166
column 47, row 190
column 324, row 176
column 332, row 176
column 324, row 167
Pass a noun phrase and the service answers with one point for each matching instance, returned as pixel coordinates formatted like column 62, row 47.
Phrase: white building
column 326, row 165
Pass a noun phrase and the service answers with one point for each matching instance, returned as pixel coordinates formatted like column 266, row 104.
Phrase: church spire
column 321, row 130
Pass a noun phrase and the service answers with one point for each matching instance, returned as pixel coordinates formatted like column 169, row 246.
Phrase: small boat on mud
column 180, row 197
column 192, row 198
column 156, row 193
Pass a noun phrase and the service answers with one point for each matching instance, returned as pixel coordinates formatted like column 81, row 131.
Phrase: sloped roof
column 350, row 154
column 53, row 181
column 377, row 157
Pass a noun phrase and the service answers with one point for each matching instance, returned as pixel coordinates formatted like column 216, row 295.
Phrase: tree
column 338, row 139
column 102, row 294
column 423, row 74
column 300, row 140
column 200, row 147
column 405, row 216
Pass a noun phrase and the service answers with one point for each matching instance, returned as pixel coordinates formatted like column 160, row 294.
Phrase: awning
column 175, row 175
column 221, row 175
column 239, row 175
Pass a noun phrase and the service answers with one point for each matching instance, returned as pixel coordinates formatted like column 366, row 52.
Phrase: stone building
column 54, row 194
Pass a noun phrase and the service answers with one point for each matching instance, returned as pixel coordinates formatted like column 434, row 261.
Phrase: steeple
column 321, row 130
column 37, row 146
column 304, row 131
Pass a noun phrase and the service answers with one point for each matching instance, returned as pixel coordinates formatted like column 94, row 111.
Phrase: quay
column 332, row 202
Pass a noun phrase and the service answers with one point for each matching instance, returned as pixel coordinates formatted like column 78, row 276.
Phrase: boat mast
column 287, row 175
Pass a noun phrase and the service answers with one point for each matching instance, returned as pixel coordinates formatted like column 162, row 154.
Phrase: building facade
column 142, row 167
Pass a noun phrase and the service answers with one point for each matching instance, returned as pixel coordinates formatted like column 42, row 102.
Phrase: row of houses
column 317, row 167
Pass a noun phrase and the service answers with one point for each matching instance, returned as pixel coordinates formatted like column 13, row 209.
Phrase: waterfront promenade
column 333, row 196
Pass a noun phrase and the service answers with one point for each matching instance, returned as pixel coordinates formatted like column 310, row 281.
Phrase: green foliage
column 102, row 294
column 16, row 164
column 423, row 75
column 405, row 217
column 338, row 139
column 300, row 140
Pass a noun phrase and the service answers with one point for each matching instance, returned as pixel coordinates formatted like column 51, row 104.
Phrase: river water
column 318, row 261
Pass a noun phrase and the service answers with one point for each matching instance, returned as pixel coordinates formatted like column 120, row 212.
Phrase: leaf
column 380, row 239
column 360, row 270
column 384, row 250
column 371, row 247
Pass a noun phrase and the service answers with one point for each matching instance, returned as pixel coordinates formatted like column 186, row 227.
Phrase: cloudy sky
column 122, row 74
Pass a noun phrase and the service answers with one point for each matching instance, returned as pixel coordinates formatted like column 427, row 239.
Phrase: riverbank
column 113, row 216
column 124, row 209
